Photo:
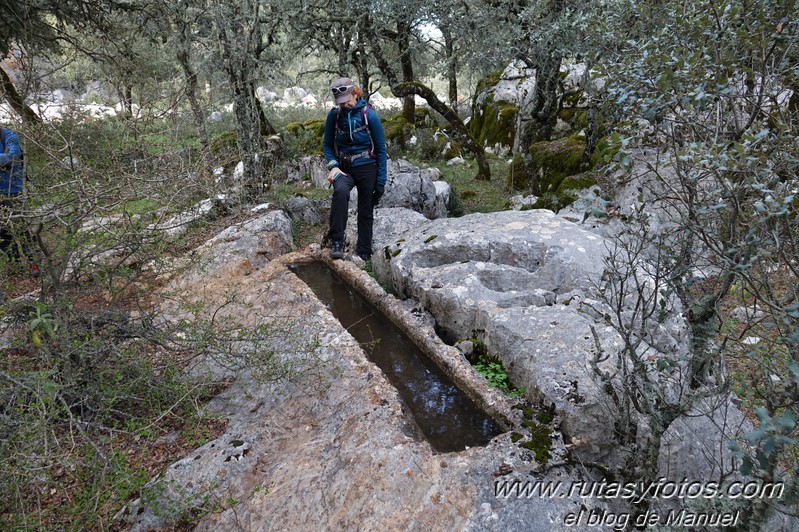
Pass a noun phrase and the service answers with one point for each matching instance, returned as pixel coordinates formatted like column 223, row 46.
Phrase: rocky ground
column 335, row 448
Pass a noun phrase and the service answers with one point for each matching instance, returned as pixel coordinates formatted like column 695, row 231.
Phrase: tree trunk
column 793, row 103
column 401, row 90
column 237, row 39
column 343, row 59
column 361, row 61
column 264, row 125
column 191, row 89
column 452, row 65
column 537, row 119
column 404, row 89
column 404, row 42
column 15, row 100
column 126, row 97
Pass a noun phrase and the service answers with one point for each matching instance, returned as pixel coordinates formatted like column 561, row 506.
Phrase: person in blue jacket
column 11, row 186
column 355, row 150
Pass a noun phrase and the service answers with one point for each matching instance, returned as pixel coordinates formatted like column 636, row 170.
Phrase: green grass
column 473, row 195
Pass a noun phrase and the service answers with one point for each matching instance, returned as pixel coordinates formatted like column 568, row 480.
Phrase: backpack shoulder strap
column 365, row 116
column 335, row 131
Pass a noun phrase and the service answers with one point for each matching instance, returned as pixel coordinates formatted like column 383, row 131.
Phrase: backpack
column 3, row 140
column 21, row 157
column 365, row 118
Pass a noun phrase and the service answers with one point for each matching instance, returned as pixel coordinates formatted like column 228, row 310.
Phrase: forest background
column 90, row 379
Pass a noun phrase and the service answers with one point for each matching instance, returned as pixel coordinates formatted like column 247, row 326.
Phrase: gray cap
column 341, row 89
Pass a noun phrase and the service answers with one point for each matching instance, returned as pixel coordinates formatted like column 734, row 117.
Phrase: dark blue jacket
column 11, row 170
column 351, row 138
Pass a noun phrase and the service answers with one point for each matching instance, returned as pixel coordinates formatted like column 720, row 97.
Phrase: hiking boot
column 338, row 250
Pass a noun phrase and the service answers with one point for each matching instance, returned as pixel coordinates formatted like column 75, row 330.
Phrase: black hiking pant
column 365, row 179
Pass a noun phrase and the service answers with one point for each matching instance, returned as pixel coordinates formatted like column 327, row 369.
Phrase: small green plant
column 41, row 323
column 497, row 377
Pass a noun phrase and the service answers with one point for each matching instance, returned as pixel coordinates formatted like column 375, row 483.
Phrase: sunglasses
column 342, row 90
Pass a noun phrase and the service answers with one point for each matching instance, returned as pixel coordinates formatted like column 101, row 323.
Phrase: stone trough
column 334, row 448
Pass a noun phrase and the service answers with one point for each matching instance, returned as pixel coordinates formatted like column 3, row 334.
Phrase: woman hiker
column 14, row 235
column 355, row 150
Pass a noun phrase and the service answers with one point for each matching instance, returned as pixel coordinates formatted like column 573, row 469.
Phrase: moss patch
column 571, row 113
column 305, row 137
column 576, row 118
column 397, row 130
column 224, row 142
column 447, row 148
column 571, row 185
column 607, row 147
column 539, row 423
column 423, row 117
column 552, row 161
column 316, row 127
column 518, row 176
column 488, row 82
column 494, row 122
column 540, row 443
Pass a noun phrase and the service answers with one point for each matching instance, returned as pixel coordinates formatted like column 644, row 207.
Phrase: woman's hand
column 333, row 174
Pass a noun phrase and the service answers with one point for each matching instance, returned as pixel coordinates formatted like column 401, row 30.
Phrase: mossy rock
column 494, row 122
column 448, row 148
column 567, row 191
column 225, row 142
column 552, row 161
column 305, row 137
column 454, row 149
column 548, row 201
column 315, row 127
column 488, row 82
column 539, row 422
column 607, row 148
column 576, row 118
column 518, row 176
column 572, row 99
column 397, row 130
column 423, row 117
column 540, row 442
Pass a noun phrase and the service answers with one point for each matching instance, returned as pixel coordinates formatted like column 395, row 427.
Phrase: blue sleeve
column 379, row 139
column 11, row 151
column 329, row 139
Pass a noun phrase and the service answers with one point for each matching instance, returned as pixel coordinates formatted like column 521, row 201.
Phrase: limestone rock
column 334, row 447
column 519, row 282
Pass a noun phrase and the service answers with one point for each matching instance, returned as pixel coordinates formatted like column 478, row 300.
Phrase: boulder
column 302, row 209
column 508, row 279
column 525, row 284
column 242, row 247
column 411, row 187
column 311, row 168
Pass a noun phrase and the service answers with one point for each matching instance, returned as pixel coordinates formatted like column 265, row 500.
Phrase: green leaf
column 746, row 466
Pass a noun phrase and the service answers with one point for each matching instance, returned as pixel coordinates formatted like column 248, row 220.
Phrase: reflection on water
column 449, row 419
